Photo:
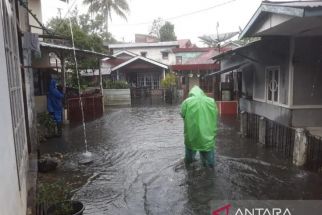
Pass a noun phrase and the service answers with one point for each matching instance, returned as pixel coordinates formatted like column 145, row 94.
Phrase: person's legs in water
column 59, row 129
column 58, row 121
column 189, row 156
column 208, row 158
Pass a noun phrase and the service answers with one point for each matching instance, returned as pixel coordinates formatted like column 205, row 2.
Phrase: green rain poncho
column 199, row 113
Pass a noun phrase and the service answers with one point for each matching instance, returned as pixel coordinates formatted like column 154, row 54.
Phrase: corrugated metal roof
column 298, row 4
column 61, row 47
column 136, row 45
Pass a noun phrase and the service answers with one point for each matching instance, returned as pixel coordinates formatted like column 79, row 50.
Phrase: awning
column 228, row 69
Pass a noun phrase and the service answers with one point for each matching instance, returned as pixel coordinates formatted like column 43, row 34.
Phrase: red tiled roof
column 115, row 61
column 198, row 67
column 204, row 58
column 194, row 49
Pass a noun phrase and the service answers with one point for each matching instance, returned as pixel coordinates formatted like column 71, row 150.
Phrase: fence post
column 243, row 123
column 262, row 130
column 300, row 147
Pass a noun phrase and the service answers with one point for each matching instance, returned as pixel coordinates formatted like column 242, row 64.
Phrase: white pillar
column 300, row 147
column 163, row 74
column 262, row 130
column 243, row 123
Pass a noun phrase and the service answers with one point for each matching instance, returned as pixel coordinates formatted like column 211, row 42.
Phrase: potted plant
column 169, row 84
column 55, row 199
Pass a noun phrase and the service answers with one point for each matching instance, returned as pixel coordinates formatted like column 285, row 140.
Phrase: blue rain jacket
column 54, row 101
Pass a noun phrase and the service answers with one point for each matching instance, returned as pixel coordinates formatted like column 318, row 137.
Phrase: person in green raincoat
column 199, row 113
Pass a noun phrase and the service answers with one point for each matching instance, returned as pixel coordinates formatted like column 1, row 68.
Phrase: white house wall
column 13, row 201
column 153, row 53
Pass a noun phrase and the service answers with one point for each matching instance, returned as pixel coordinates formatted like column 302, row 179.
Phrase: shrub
column 53, row 193
column 109, row 84
column 169, row 81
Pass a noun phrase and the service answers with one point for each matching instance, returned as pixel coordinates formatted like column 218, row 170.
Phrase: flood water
column 138, row 166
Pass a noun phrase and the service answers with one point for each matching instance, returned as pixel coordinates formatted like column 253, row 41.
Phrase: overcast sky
column 191, row 18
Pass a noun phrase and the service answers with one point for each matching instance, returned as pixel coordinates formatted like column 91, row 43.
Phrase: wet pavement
column 138, row 166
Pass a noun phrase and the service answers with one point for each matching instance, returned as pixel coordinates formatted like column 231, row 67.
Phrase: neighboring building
column 193, row 65
column 159, row 51
column 140, row 72
column 143, row 38
column 281, row 73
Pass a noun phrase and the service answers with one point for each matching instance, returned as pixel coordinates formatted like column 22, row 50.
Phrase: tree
column 86, row 36
column 155, row 28
column 96, row 26
column 167, row 32
column 103, row 9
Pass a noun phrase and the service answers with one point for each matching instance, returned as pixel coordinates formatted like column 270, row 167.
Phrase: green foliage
column 155, row 28
column 53, row 193
column 170, row 81
column 83, row 37
column 103, row 10
column 109, row 84
column 46, row 126
column 167, row 32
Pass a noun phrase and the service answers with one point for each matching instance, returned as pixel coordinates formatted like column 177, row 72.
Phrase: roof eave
column 291, row 11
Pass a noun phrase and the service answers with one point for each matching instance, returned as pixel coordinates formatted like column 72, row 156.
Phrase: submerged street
column 138, row 166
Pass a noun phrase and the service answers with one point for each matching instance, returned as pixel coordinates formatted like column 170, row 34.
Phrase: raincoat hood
column 53, row 84
column 200, row 114
column 196, row 91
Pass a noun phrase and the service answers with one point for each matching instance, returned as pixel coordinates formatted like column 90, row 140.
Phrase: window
column 150, row 80
column 165, row 55
column 143, row 54
column 156, row 81
column 140, row 80
column 179, row 60
column 272, row 84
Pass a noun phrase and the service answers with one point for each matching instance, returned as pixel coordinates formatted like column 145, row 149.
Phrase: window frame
column 268, row 83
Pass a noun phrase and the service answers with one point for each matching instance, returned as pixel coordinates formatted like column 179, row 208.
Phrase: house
column 17, row 126
column 281, row 71
column 157, row 51
column 192, row 65
column 140, row 72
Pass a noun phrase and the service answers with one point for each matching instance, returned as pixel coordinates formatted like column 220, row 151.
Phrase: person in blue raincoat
column 55, row 105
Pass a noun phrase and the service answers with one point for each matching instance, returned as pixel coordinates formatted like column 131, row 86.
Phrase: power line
column 182, row 15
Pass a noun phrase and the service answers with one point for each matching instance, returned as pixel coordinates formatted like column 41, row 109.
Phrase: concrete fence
column 295, row 144
column 117, row 97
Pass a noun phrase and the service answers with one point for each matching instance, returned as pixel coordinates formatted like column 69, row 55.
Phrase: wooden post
column 101, row 83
